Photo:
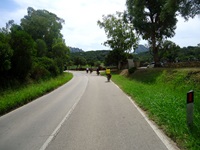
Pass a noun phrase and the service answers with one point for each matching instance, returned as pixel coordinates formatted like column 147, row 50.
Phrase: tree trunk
column 156, row 57
column 155, row 52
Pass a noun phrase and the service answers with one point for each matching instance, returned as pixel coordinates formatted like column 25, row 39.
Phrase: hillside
column 98, row 55
column 75, row 50
column 141, row 49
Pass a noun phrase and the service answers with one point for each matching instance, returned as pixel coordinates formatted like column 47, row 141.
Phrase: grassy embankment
column 14, row 98
column 162, row 94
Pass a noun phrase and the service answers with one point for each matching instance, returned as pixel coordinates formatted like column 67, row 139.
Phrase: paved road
column 88, row 113
column 28, row 127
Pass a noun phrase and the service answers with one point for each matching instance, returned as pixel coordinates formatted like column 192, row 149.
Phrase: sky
column 80, row 29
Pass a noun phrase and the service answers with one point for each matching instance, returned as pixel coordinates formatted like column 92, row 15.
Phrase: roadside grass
column 12, row 99
column 162, row 94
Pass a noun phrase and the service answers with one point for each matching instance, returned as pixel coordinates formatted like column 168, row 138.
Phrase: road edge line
column 171, row 145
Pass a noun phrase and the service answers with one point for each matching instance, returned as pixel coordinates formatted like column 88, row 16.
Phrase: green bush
column 132, row 70
column 39, row 72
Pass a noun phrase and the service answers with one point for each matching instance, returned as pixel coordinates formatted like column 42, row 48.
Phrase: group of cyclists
column 108, row 74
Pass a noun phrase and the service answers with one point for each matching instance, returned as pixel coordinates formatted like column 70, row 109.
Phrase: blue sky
column 81, row 16
column 8, row 5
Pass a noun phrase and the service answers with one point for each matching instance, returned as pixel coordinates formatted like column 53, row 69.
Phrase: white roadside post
column 190, row 107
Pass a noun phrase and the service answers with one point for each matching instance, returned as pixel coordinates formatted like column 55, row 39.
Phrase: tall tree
column 187, row 8
column 114, row 57
column 6, row 53
column 41, row 48
column 42, row 24
column 120, row 33
column 169, row 51
column 153, row 22
column 156, row 20
column 60, row 54
column 24, row 49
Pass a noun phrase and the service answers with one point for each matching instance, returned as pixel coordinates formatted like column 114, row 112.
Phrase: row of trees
column 34, row 49
column 91, row 58
column 154, row 21
column 171, row 53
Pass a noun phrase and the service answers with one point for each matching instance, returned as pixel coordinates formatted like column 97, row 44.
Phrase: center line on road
column 55, row 132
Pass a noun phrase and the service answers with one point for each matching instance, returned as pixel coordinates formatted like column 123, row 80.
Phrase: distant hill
column 98, row 55
column 75, row 50
column 141, row 49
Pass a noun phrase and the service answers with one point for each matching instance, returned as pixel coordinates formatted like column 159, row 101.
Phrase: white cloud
column 81, row 16
column 187, row 32
column 80, row 28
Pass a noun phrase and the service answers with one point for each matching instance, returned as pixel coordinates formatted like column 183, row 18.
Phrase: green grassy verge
column 12, row 99
column 162, row 94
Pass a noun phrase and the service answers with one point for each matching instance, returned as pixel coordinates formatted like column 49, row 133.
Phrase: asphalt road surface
column 87, row 113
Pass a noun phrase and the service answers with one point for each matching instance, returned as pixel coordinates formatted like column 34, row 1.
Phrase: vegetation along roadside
column 162, row 94
column 11, row 99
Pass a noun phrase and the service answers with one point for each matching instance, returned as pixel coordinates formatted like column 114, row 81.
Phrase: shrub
column 132, row 70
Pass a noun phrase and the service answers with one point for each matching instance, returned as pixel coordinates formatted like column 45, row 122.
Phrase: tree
column 120, row 34
column 190, row 53
column 60, row 54
column 79, row 61
column 41, row 24
column 91, row 62
column 114, row 57
column 156, row 20
column 41, row 48
column 97, row 63
column 187, row 8
column 169, row 51
column 153, row 22
column 6, row 53
column 23, row 47
column 44, row 67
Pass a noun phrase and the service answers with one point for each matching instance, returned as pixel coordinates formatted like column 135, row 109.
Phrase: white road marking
column 166, row 140
column 55, row 132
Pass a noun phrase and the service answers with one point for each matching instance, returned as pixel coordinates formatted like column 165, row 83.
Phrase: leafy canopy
column 120, row 34
column 32, row 50
column 24, row 50
column 169, row 51
column 153, row 21
column 121, row 37
column 42, row 24
column 187, row 8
